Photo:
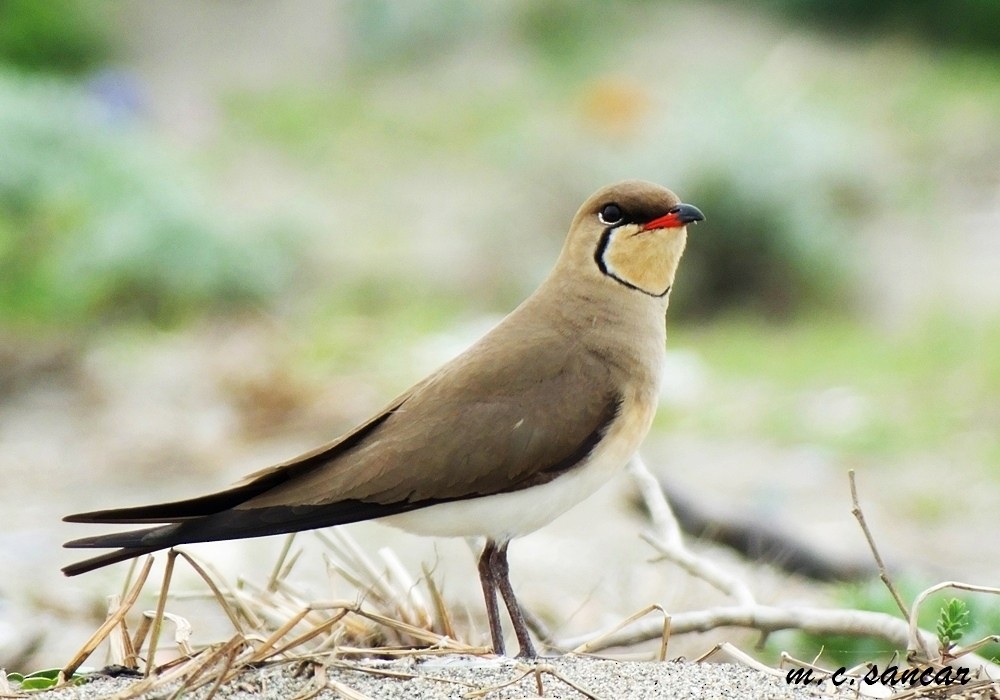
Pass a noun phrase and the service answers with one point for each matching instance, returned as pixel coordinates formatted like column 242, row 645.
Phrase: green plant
column 953, row 621
column 42, row 680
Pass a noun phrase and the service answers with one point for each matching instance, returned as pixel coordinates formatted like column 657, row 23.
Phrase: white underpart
column 507, row 515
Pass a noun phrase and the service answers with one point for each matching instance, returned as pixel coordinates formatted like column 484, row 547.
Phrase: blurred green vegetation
column 832, row 382
column 782, row 197
column 775, row 250
column 60, row 36
column 849, row 651
column 973, row 24
column 565, row 37
column 98, row 223
column 756, row 253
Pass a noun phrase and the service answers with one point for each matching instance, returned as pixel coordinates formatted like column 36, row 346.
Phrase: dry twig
column 666, row 539
column 747, row 613
column 883, row 572
column 161, row 604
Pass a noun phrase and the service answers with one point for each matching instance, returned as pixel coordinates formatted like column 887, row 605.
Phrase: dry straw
column 277, row 623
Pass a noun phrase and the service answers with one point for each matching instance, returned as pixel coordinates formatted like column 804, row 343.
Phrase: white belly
column 507, row 515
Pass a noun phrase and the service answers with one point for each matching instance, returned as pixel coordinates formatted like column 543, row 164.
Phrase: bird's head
column 632, row 233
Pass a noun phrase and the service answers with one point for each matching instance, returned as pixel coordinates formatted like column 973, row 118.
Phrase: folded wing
column 503, row 421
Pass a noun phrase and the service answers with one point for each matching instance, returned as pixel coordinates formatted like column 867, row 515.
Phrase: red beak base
column 680, row 215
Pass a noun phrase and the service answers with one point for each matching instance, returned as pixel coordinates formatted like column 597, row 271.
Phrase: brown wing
column 476, row 428
column 513, row 412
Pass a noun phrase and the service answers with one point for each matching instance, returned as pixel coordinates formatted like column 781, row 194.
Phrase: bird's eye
column 611, row 214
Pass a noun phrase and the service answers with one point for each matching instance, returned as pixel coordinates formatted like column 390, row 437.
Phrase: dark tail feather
column 226, row 525
column 176, row 511
column 156, row 537
column 202, row 506
column 124, row 554
column 133, row 544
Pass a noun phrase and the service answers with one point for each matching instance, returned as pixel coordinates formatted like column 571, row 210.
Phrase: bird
column 531, row 419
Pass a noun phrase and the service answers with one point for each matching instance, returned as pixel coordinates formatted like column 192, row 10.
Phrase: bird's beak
column 675, row 218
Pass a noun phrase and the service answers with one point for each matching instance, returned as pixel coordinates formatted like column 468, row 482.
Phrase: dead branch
column 667, row 540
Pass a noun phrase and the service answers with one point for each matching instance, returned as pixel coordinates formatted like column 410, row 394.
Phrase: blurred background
column 231, row 230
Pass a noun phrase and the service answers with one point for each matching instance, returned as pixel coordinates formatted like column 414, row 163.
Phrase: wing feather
column 513, row 412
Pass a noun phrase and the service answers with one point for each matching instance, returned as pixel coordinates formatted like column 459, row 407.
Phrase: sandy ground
column 497, row 679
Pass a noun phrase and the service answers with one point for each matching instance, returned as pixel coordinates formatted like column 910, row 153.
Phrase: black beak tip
column 688, row 213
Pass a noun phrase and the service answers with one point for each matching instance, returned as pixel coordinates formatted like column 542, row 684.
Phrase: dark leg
column 501, row 576
column 488, row 578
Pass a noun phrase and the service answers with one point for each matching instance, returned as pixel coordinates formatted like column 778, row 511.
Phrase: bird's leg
column 488, row 578
column 501, row 573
